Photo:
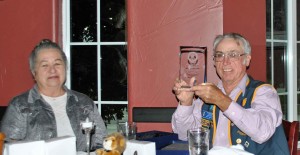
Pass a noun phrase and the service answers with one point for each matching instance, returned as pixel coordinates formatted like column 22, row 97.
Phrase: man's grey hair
column 44, row 44
column 239, row 38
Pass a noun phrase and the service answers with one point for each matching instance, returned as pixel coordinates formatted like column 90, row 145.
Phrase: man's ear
column 33, row 74
column 247, row 60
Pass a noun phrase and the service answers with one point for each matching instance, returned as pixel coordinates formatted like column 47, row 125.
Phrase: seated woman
column 50, row 109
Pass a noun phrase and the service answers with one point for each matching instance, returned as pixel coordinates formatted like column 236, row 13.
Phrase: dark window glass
column 280, row 17
column 283, row 101
column 83, row 20
column 114, row 73
column 84, row 70
column 280, row 67
column 269, row 63
column 268, row 19
column 298, row 22
column 113, row 17
column 279, row 64
column 111, row 113
column 86, row 57
column 298, row 68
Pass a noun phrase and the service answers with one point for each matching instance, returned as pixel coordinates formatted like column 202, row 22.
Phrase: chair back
column 153, row 114
column 2, row 139
column 291, row 130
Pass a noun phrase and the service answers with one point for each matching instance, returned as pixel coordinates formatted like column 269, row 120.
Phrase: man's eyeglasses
column 233, row 56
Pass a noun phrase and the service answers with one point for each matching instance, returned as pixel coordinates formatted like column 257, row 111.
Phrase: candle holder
column 87, row 126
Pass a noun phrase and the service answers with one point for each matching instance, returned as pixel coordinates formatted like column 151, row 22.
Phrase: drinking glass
column 128, row 129
column 198, row 141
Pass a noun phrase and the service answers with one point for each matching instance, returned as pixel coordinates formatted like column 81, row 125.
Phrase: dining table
column 166, row 143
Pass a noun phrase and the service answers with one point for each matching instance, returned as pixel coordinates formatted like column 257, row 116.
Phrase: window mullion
column 292, row 59
column 99, row 56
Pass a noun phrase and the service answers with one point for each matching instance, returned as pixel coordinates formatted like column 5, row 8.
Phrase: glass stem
column 87, row 132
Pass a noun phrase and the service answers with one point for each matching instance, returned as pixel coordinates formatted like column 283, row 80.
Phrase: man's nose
column 226, row 59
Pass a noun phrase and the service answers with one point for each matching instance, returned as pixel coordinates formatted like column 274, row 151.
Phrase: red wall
column 23, row 25
column 157, row 28
column 248, row 17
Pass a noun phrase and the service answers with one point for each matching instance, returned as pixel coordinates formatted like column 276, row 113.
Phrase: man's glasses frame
column 233, row 56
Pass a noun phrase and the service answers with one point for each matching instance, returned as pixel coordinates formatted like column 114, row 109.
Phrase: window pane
column 269, row 63
column 283, row 101
column 298, row 68
column 279, row 64
column 112, row 113
column 280, row 17
column 83, row 20
column 268, row 19
column 113, row 17
column 298, row 75
column 298, row 106
column 114, row 73
column 84, row 70
column 298, row 22
column 280, row 70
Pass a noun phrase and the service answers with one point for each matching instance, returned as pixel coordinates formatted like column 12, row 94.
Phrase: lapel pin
column 238, row 141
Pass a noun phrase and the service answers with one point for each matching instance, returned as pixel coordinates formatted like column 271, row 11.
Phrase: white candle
column 87, row 124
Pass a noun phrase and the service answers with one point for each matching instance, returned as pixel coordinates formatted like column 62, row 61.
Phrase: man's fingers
column 193, row 81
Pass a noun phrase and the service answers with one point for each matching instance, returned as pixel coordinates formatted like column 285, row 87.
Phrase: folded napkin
column 233, row 150
column 65, row 145
column 57, row 146
column 25, row 148
column 139, row 147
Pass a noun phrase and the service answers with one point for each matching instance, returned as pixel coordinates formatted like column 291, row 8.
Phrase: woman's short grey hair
column 44, row 44
column 239, row 38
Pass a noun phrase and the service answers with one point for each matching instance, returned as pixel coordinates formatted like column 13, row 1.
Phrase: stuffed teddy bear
column 113, row 144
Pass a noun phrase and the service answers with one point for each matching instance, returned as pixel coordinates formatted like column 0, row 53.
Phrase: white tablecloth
column 84, row 153
column 233, row 150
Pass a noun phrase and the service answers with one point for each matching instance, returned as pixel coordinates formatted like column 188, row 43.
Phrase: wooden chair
column 291, row 130
column 2, row 138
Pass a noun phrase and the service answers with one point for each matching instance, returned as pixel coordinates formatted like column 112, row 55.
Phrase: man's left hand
column 210, row 93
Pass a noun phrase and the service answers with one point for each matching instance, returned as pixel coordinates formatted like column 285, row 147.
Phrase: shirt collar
column 241, row 86
column 35, row 95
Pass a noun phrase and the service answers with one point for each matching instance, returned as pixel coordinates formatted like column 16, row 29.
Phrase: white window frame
column 292, row 60
column 292, row 111
column 67, row 43
column 291, row 57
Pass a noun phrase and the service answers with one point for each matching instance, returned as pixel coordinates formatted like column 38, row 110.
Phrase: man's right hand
column 184, row 95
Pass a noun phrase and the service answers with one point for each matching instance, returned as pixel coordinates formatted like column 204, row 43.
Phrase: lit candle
column 87, row 124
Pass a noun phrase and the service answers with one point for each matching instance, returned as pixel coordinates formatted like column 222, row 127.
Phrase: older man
column 242, row 110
